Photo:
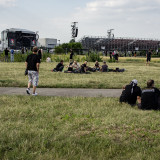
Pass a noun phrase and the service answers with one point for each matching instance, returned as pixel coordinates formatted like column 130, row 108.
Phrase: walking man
column 32, row 65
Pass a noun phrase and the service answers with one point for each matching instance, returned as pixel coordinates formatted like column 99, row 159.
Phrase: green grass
column 47, row 128
column 12, row 75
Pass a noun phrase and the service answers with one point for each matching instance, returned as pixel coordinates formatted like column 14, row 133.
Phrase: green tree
column 59, row 49
column 76, row 46
column 72, row 41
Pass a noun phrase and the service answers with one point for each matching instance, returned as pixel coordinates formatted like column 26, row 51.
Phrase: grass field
column 12, row 75
column 47, row 128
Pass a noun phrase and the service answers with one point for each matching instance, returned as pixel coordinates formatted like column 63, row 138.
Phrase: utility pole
column 74, row 30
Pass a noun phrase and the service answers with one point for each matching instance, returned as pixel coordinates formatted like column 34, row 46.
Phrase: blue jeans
column 12, row 57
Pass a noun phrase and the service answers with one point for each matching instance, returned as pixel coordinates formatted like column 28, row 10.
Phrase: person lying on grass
column 131, row 93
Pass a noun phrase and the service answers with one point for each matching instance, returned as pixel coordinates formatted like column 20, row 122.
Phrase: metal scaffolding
column 120, row 44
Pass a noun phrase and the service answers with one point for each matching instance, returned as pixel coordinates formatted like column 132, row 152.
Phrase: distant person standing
column 135, row 54
column 40, row 54
column 71, row 55
column 116, row 55
column 32, row 65
column 22, row 50
column 12, row 55
column 6, row 51
column 125, row 54
column 148, row 56
column 110, row 54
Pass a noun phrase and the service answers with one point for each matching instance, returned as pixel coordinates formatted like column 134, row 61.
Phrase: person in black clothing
column 104, row 67
column 84, row 67
column 148, row 55
column 131, row 93
column 110, row 54
column 40, row 54
column 71, row 55
column 70, row 68
column 97, row 66
column 59, row 67
column 32, row 65
column 6, row 51
column 150, row 97
column 116, row 56
column 22, row 50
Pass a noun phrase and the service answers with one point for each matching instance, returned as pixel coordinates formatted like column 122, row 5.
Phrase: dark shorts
column 148, row 59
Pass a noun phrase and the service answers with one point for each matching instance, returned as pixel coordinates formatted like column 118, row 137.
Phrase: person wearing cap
column 32, row 65
column 131, row 93
column 150, row 97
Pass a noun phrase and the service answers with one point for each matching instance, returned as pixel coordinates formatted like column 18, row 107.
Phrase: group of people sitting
column 148, row 98
column 75, row 67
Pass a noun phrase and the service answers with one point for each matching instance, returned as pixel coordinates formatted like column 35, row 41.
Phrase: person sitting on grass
column 97, row 66
column 150, row 97
column 104, row 67
column 131, row 93
column 70, row 69
column 59, row 67
column 76, row 67
column 84, row 67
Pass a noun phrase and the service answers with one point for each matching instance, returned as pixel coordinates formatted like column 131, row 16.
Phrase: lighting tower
column 74, row 30
column 110, row 35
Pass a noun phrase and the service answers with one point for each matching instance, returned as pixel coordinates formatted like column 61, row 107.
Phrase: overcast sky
column 52, row 18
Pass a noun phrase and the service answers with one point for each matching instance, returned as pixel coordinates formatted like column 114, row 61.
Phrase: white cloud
column 130, row 17
column 7, row 3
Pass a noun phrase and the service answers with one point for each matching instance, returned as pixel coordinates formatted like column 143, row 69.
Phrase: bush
column 45, row 55
column 112, row 60
column 92, row 57
column 19, row 57
column 59, row 50
column 58, row 58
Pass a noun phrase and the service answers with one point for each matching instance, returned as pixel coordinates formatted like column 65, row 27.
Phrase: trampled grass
column 12, row 75
column 36, row 128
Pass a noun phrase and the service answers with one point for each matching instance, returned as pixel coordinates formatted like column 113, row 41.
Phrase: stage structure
column 18, row 38
column 111, row 43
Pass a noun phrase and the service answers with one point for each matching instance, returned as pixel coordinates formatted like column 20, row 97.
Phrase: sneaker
column 35, row 94
column 28, row 91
